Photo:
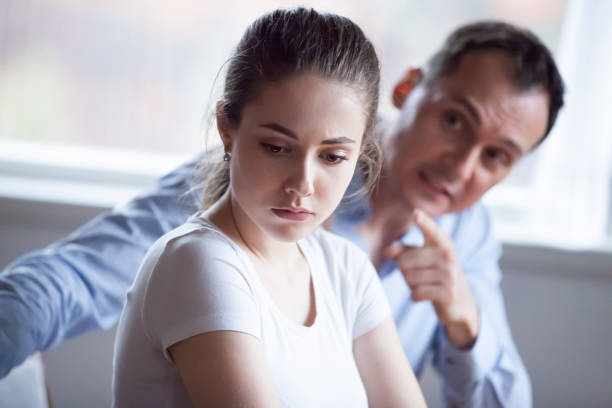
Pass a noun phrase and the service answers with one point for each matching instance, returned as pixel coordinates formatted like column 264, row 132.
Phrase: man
column 486, row 99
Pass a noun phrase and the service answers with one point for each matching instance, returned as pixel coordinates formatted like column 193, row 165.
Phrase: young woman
column 249, row 303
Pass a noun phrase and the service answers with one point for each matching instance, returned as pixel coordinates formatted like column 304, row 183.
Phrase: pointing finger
column 432, row 234
column 393, row 250
column 396, row 249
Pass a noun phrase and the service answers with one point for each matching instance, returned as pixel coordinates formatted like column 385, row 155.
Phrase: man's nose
column 462, row 164
column 301, row 179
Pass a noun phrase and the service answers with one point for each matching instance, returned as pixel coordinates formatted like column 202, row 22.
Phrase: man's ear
column 411, row 78
column 223, row 126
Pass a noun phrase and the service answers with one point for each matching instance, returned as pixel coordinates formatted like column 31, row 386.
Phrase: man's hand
column 433, row 273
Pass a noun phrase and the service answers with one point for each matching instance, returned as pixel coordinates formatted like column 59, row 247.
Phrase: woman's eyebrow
column 281, row 129
column 338, row 140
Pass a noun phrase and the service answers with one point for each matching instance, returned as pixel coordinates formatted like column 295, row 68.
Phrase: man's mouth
column 435, row 184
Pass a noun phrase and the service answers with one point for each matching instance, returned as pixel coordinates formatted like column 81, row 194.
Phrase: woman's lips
column 292, row 213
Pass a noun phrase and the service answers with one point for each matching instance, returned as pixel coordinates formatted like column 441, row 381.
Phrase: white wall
column 559, row 306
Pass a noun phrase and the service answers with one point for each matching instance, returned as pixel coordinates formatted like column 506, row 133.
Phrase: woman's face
column 294, row 153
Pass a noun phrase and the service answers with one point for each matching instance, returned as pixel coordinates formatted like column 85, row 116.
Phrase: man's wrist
column 463, row 368
column 463, row 334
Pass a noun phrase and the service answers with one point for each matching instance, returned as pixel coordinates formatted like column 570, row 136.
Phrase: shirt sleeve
column 491, row 373
column 199, row 284
column 79, row 283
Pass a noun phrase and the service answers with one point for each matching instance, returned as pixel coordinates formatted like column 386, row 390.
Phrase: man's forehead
column 483, row 74
column 519, row 117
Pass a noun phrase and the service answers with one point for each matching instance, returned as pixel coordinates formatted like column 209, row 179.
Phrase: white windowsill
column 509, row 209
column 88, row 176
column 103, row 177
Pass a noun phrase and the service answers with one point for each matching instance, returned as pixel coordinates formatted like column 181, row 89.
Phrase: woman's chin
column 291, row 233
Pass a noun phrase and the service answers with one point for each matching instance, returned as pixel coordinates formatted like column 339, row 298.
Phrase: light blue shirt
column 79, row 284
column 491, row 373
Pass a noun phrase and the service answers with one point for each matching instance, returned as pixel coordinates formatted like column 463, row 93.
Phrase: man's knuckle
column 447, row 255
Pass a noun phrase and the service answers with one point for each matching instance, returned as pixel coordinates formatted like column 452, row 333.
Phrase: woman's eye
column 334, row 158
column 272, row 148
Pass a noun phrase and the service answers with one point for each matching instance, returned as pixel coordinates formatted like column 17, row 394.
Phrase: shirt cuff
column 462, row 369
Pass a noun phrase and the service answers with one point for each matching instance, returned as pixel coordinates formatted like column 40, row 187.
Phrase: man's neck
column 388, row 221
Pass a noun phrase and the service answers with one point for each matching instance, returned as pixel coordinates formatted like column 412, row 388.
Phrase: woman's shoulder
column 196, row 253
column 196, row 244
column 194, row 280
column 197, row 235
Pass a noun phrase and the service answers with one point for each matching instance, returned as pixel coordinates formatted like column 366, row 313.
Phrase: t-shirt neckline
column 304, row 247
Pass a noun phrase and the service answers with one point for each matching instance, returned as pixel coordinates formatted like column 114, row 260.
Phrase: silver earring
column 227, row 156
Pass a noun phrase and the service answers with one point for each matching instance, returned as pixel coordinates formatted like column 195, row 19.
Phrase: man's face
column 460, row 135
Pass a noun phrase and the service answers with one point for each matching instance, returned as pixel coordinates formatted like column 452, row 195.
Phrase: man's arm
column 490, row 373
column 457, row 270
column 79, row 283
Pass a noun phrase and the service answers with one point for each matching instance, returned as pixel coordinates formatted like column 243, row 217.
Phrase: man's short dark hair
column 532, row 62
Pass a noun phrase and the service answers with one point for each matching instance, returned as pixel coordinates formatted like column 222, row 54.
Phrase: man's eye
column 454, row 121
column 496, row 156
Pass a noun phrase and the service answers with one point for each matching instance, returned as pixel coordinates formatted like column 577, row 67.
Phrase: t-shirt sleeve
column 372, row 307
column 198, row 285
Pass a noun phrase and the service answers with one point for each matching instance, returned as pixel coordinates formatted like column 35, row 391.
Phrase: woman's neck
column 227, row 215
column 281, row 266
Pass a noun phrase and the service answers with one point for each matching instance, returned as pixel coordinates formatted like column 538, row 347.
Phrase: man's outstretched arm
column 490, row 373
column 457, row 270
column 79, row 283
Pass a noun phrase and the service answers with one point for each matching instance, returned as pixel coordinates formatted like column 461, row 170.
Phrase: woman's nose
column 300, row 181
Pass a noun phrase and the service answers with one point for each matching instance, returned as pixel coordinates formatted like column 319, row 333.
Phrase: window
column 137, row 74
column 566, row 199
column 99, row 93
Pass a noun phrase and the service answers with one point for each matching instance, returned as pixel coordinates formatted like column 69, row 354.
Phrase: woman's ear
column 223, row 126
column 409, row 81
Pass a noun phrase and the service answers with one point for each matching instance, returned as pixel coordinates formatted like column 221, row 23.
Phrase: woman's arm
column 224, row 369
column 384, row 369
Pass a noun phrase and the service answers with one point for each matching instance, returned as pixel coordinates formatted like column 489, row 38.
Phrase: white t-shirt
column 195, row 280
